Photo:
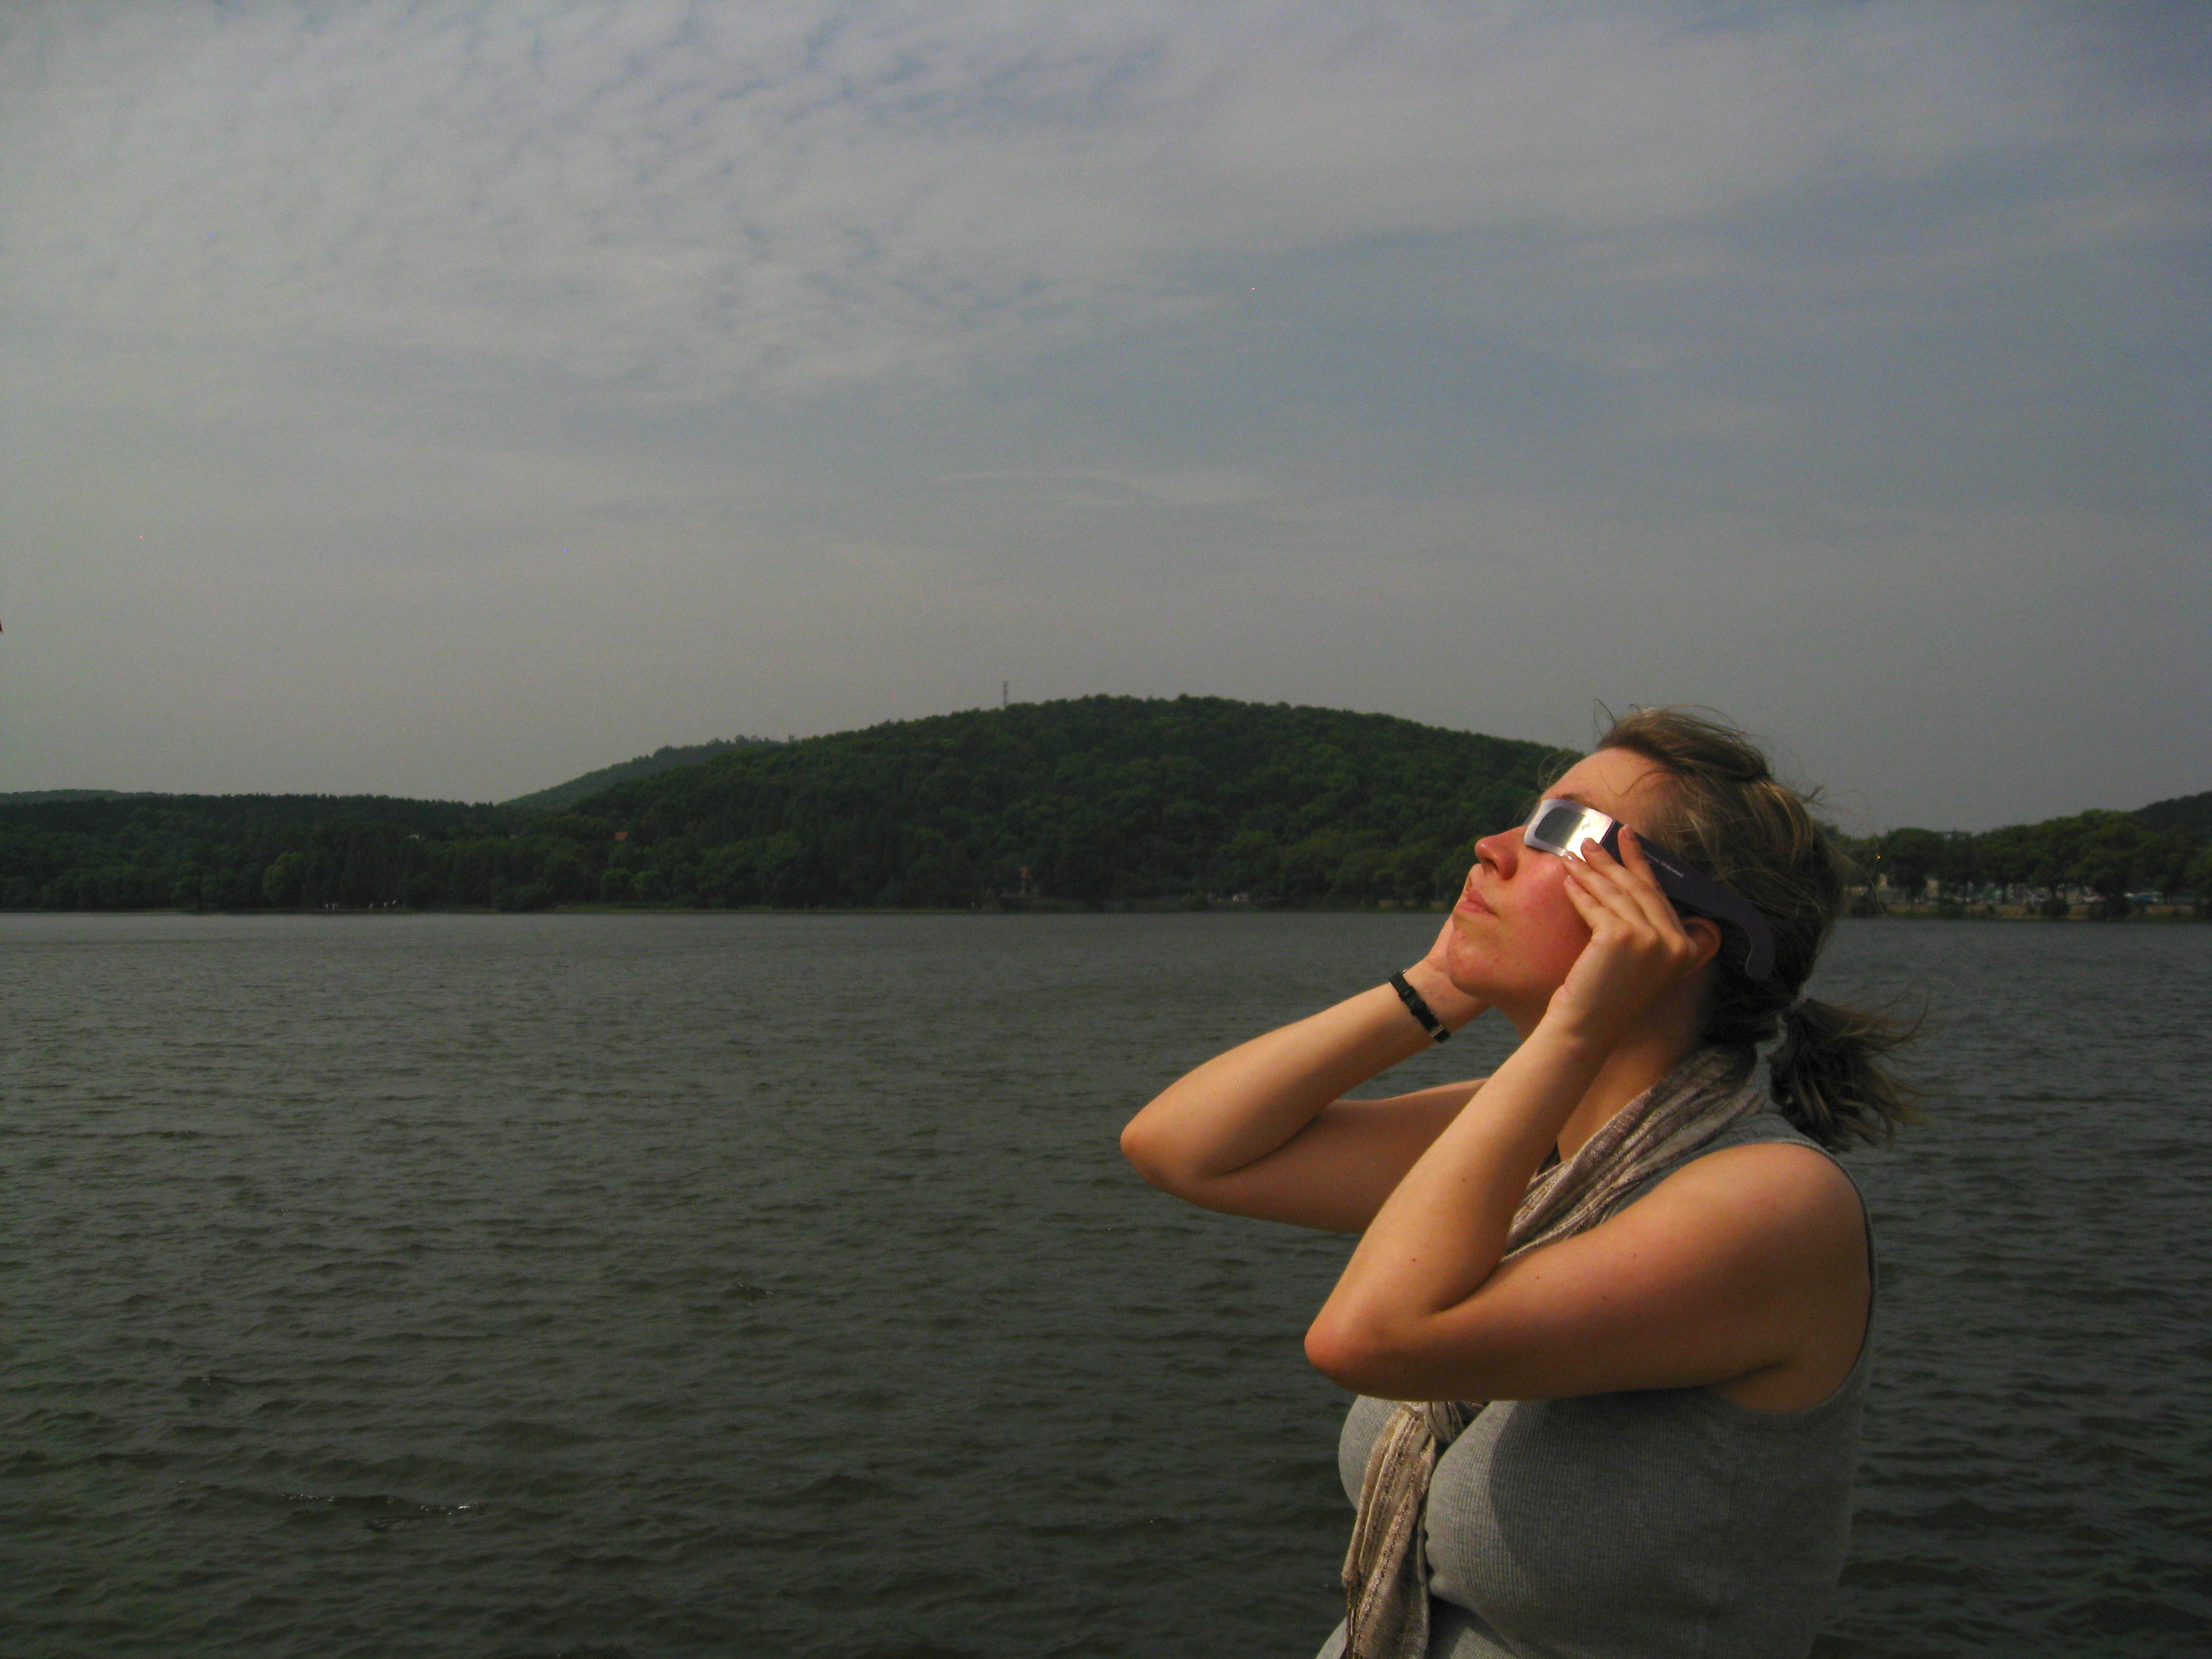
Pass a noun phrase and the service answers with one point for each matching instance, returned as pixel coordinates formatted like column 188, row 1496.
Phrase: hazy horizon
column 445, row 402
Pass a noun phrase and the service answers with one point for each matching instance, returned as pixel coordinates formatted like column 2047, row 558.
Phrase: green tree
column 1909, row 857
column 2197, row 879
column 2105, row 854
column 282, row 884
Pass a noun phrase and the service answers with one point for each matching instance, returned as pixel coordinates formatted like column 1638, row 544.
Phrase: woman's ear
column 1705, row 934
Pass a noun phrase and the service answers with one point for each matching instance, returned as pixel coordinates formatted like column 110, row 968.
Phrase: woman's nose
column 1501, row 852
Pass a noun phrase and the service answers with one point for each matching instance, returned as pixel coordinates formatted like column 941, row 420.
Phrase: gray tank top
column 1646, row 1525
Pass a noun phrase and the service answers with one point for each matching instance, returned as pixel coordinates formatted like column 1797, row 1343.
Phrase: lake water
column 760, row 1285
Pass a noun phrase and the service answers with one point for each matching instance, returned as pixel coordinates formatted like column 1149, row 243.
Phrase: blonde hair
column 1726, row 812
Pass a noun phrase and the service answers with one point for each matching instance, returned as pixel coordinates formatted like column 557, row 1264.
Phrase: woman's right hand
column 1431, row 977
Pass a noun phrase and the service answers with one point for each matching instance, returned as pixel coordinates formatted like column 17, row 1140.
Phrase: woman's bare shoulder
column 1780, row 1201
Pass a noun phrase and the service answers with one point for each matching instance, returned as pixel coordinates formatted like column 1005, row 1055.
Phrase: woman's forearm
column 1442, row 1230
column 1627, row 1010
column 1242, row 1105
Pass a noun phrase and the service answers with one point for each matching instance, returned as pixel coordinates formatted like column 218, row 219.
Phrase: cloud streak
column 691, row 200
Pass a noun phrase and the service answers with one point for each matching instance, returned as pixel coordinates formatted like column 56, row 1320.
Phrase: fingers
column 1589, row 900
column 1631, row 875
column 1623, row 903
column 1602, row 901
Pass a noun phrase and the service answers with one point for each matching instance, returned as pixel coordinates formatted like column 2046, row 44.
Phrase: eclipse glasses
column 1562, row 826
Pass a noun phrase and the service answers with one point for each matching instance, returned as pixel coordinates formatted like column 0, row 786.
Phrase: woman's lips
column 1471, row 900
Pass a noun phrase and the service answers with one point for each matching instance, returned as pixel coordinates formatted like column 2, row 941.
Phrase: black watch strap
column 1418, row 1006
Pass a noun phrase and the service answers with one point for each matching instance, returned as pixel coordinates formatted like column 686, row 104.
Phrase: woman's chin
column 1471, row 974
column 1477, row 974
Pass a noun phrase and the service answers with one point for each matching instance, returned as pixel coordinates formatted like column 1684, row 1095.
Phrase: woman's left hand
column 1639, row 945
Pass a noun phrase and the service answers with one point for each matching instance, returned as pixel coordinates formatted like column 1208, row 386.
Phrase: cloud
column 451, row 397
column 687, row 201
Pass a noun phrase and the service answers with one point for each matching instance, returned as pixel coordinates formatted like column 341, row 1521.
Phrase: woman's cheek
column 1558, row 932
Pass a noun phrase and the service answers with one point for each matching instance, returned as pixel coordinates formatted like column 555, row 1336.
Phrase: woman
column 1630, row 1237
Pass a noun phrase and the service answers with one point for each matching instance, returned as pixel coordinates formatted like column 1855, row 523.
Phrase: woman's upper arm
column 1725, row 1269
column 1335, row 1173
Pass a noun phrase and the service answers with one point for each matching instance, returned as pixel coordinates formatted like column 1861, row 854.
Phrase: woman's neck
column 1662, row 1038
column 1630, row 1069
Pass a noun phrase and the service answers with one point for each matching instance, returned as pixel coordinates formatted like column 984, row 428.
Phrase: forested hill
column 1095, row 800
column 666, row 758
column 1088, row 800
column 239, row 852
column 2190, row 812
column 46, row 797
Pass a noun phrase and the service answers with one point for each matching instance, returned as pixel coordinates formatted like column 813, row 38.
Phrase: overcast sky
column 445, row 400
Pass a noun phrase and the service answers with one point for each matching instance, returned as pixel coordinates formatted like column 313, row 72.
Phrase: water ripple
column 652, row 1287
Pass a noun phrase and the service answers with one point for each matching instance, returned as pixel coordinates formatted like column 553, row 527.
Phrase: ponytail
column 1829, row 1080
column 1726, row 812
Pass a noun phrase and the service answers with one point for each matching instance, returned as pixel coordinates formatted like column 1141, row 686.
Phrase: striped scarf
column 1386, row 1574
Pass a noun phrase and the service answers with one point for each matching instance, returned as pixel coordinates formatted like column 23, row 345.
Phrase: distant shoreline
column 2089, row 912
column 2161, row 914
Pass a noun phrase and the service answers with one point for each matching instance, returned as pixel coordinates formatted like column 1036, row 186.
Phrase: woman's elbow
column 1390, row 1358
column 1328, row 1353
column 1141, row 1144
column 1135, row 1146
column 1354, row 1352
